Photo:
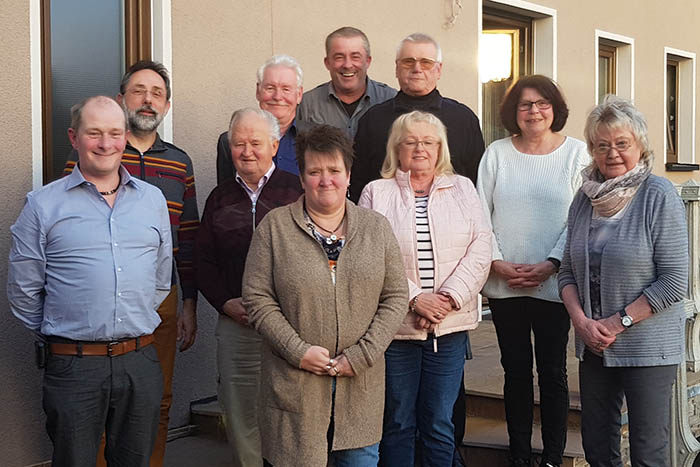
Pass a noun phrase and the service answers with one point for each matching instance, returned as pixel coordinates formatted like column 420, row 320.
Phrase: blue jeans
column 366, row 456
column 421, row 390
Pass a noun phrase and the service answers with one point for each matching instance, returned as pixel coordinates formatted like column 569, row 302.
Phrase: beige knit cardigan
column 293, row 303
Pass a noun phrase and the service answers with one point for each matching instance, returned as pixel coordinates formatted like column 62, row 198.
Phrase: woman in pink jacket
column 445, row 242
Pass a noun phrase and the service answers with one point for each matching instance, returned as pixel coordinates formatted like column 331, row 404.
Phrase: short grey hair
column 618, row 113
column 76, row 112
column 284, row 61
column 272, row 123
column 348, row 32
column 420, row 38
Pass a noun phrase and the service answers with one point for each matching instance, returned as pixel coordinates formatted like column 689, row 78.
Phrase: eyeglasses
column 410, row 62
column 142, row 92
column 541, row 104
column 603, row 149
column 428, row 144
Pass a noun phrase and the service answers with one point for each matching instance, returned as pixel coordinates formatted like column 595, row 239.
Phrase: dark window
column 86, row 46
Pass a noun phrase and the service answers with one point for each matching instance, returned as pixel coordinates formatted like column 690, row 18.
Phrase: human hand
column 339, row 366
column 316, row 360
column 594, row 333
column 433, row 307
column 613, row 324
column 506, row 269
column 233, row 308
column 453, row 304
column 532, row 275
column 187, row 324
column 423, row 323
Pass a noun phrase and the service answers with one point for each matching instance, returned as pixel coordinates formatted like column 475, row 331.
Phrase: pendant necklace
column 333, row 238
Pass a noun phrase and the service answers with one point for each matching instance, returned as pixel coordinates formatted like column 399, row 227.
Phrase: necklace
column 110, row 192
column 332, row 238
column 419, row 191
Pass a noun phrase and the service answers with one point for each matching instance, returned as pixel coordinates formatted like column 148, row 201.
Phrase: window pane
column 86, row 59
column 603, row 77
column 671, row 107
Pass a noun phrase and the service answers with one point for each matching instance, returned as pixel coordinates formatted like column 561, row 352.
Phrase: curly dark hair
column 547, row 88
column 324, row 139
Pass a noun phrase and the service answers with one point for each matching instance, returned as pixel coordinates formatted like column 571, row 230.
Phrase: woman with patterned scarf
column 623, row 275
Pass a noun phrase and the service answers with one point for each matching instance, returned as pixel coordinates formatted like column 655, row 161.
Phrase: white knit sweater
column 527, row 197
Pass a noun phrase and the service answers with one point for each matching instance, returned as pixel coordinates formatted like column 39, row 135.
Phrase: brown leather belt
column 110, row 349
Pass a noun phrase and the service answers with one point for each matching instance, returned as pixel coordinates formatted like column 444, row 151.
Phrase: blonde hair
column 399, row 129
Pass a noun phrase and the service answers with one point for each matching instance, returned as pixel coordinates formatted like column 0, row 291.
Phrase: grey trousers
column 120, row 396
column 648, row 394
column 239, row 356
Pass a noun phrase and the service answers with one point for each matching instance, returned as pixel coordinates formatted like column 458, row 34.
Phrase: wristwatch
column 626, row 319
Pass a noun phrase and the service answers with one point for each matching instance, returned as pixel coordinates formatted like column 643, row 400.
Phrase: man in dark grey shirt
column 350, row 93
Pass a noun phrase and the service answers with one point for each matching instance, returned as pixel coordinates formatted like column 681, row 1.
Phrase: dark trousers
column 85, row 396
column 648, row 394
column 514, row 319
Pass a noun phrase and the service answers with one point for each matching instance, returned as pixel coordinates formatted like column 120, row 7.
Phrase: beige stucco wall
column 23, row 439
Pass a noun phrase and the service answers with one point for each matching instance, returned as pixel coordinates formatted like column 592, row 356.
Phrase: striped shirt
column 426, row 268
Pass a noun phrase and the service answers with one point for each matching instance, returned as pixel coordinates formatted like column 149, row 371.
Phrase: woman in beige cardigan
column 325, row 286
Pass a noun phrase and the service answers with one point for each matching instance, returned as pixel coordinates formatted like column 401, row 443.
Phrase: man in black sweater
column 418, row 68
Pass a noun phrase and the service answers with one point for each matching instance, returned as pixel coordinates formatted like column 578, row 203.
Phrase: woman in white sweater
column 526, row 183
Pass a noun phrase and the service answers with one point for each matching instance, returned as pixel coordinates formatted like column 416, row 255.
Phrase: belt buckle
column 110, row 347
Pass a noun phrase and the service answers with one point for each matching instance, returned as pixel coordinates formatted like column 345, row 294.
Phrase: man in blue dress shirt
column 90, row 263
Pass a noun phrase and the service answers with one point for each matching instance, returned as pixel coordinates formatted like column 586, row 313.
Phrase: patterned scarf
column 608, row 197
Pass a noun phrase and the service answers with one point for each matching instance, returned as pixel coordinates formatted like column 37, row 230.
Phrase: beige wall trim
column 686, row 103
column 35, row 85
column 624, row 73
column 162, row 47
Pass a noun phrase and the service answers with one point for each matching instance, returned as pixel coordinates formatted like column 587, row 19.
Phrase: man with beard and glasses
column 144, row 94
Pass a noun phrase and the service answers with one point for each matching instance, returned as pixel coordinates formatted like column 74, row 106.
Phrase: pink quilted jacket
column 461, row 237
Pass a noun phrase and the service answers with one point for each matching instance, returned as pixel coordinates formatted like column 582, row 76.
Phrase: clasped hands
column 520, row 276
column 432, row 309
column 318, row 361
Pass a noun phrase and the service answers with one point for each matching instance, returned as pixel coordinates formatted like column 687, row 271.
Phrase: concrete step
column 491, row 406
column 486, row 444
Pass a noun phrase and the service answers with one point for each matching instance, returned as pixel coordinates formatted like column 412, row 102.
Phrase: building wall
column 217, row 48
column 21, row 419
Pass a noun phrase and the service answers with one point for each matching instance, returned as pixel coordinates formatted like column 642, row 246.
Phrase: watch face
column 626, row 321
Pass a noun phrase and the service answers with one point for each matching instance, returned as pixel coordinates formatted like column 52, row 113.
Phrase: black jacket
column 463, row 135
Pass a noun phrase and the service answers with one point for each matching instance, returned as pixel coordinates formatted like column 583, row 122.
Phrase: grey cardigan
column 648, row 255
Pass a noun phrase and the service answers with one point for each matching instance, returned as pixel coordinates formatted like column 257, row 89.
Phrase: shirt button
column 116, row 244
column 119, row 294
column 119, row 269
column 119, row 320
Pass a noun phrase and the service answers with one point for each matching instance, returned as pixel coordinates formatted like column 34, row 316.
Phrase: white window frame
column 544, row 37
column 624, row 63
column 161, row 45
column 685, row 117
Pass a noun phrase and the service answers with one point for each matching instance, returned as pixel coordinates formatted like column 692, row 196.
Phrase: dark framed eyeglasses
column 541, row 104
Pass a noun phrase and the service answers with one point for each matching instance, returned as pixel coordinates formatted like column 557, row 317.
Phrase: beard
column 144, row 123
